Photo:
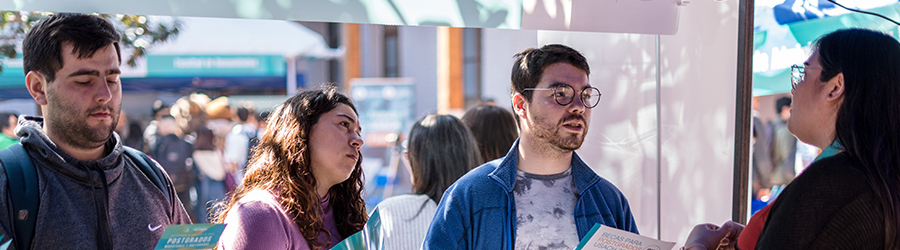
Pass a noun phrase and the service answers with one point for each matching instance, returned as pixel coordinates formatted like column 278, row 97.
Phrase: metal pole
column 658, row 148
column 743, row 104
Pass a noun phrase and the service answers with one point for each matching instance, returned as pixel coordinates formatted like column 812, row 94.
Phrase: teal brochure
column 369, row 238
column 5, row 244
column 190, row 236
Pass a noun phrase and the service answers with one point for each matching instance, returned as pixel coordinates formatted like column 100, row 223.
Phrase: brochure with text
column 190, row 236
column 609, row 238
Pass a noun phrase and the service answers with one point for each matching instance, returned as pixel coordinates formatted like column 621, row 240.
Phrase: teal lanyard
column 829, row 151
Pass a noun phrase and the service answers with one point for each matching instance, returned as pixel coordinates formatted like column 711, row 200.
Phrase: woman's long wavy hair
column 281, row 163
column 868, row 123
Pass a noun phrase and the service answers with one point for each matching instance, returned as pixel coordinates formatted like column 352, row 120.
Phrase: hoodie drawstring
column 103, row 231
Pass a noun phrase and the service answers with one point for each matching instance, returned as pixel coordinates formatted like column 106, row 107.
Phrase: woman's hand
column 710, row 236
column 729, row 242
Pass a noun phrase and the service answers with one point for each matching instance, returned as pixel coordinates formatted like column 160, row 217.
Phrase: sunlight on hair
column 429, row 121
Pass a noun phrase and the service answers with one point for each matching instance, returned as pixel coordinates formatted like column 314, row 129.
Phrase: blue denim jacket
column 479, row 210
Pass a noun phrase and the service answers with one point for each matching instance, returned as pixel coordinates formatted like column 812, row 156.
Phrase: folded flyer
column 369, row 238
column 191, row 236
column 609, row 238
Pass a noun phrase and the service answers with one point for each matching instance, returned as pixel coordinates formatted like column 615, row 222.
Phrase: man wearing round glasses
column 541, row 195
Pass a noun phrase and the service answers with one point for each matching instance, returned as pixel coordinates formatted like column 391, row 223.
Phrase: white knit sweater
column 403, row 225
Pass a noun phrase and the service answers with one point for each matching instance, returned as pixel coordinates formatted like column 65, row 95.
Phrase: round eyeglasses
column 564, row 94
column 798, row 72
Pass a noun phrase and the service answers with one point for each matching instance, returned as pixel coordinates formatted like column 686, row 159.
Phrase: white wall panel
column 699, row 74
column 418, row 59
column 497, row 49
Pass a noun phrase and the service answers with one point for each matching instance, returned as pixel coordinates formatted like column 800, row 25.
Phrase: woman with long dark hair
column 303, row 183
column 845, row 94
column 441, row 149
column 494, row 129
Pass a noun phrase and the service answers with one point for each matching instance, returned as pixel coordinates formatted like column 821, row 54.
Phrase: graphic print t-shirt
column 544, row 211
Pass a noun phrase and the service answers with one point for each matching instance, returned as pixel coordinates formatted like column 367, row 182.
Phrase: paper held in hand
column 609, row 238
column 190, row 236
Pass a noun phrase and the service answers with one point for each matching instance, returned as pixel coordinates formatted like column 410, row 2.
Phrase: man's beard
column 551, row 134
column 71, row 126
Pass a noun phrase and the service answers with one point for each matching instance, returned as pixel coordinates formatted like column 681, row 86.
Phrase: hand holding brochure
column 609, row 238
column 191, row 236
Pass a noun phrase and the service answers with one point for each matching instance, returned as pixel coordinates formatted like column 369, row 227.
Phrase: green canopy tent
column 211, row 53
column 779, row 47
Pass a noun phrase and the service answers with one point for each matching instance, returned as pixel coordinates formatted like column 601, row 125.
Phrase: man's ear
column 835, row 88
column 518, row 101
column 37, row 86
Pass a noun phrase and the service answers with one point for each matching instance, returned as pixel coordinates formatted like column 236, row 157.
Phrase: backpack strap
column 252, row 141
column 23, row 189
column 149, row 169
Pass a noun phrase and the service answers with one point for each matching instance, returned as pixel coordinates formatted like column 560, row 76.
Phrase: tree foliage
column 137, row 31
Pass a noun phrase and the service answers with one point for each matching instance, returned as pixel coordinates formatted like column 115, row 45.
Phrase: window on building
column 472, row 66
column 391, row 62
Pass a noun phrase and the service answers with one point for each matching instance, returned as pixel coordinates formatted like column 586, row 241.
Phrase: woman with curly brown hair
column 302, row 189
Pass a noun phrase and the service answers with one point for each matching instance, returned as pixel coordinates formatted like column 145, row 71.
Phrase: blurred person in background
column 219, row 122
column 174, row 154
column 304, row 181
column 441, row 149
column 844, row 94
column 8, row 121
column 134, row 138
column 239, row 141
column 190, row 114
column 263, row 119
column 130, row 132
column 761, row 162
column 218, row 110
column 494, row 129
column 208, row 159
column 784, row 145
column 151, row 131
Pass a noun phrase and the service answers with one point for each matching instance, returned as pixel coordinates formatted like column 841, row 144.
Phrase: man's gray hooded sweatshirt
column 96, row 204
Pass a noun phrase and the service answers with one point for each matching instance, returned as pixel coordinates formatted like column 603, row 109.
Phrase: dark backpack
column 23, row 187
column 251, row 145
column 175, row 156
